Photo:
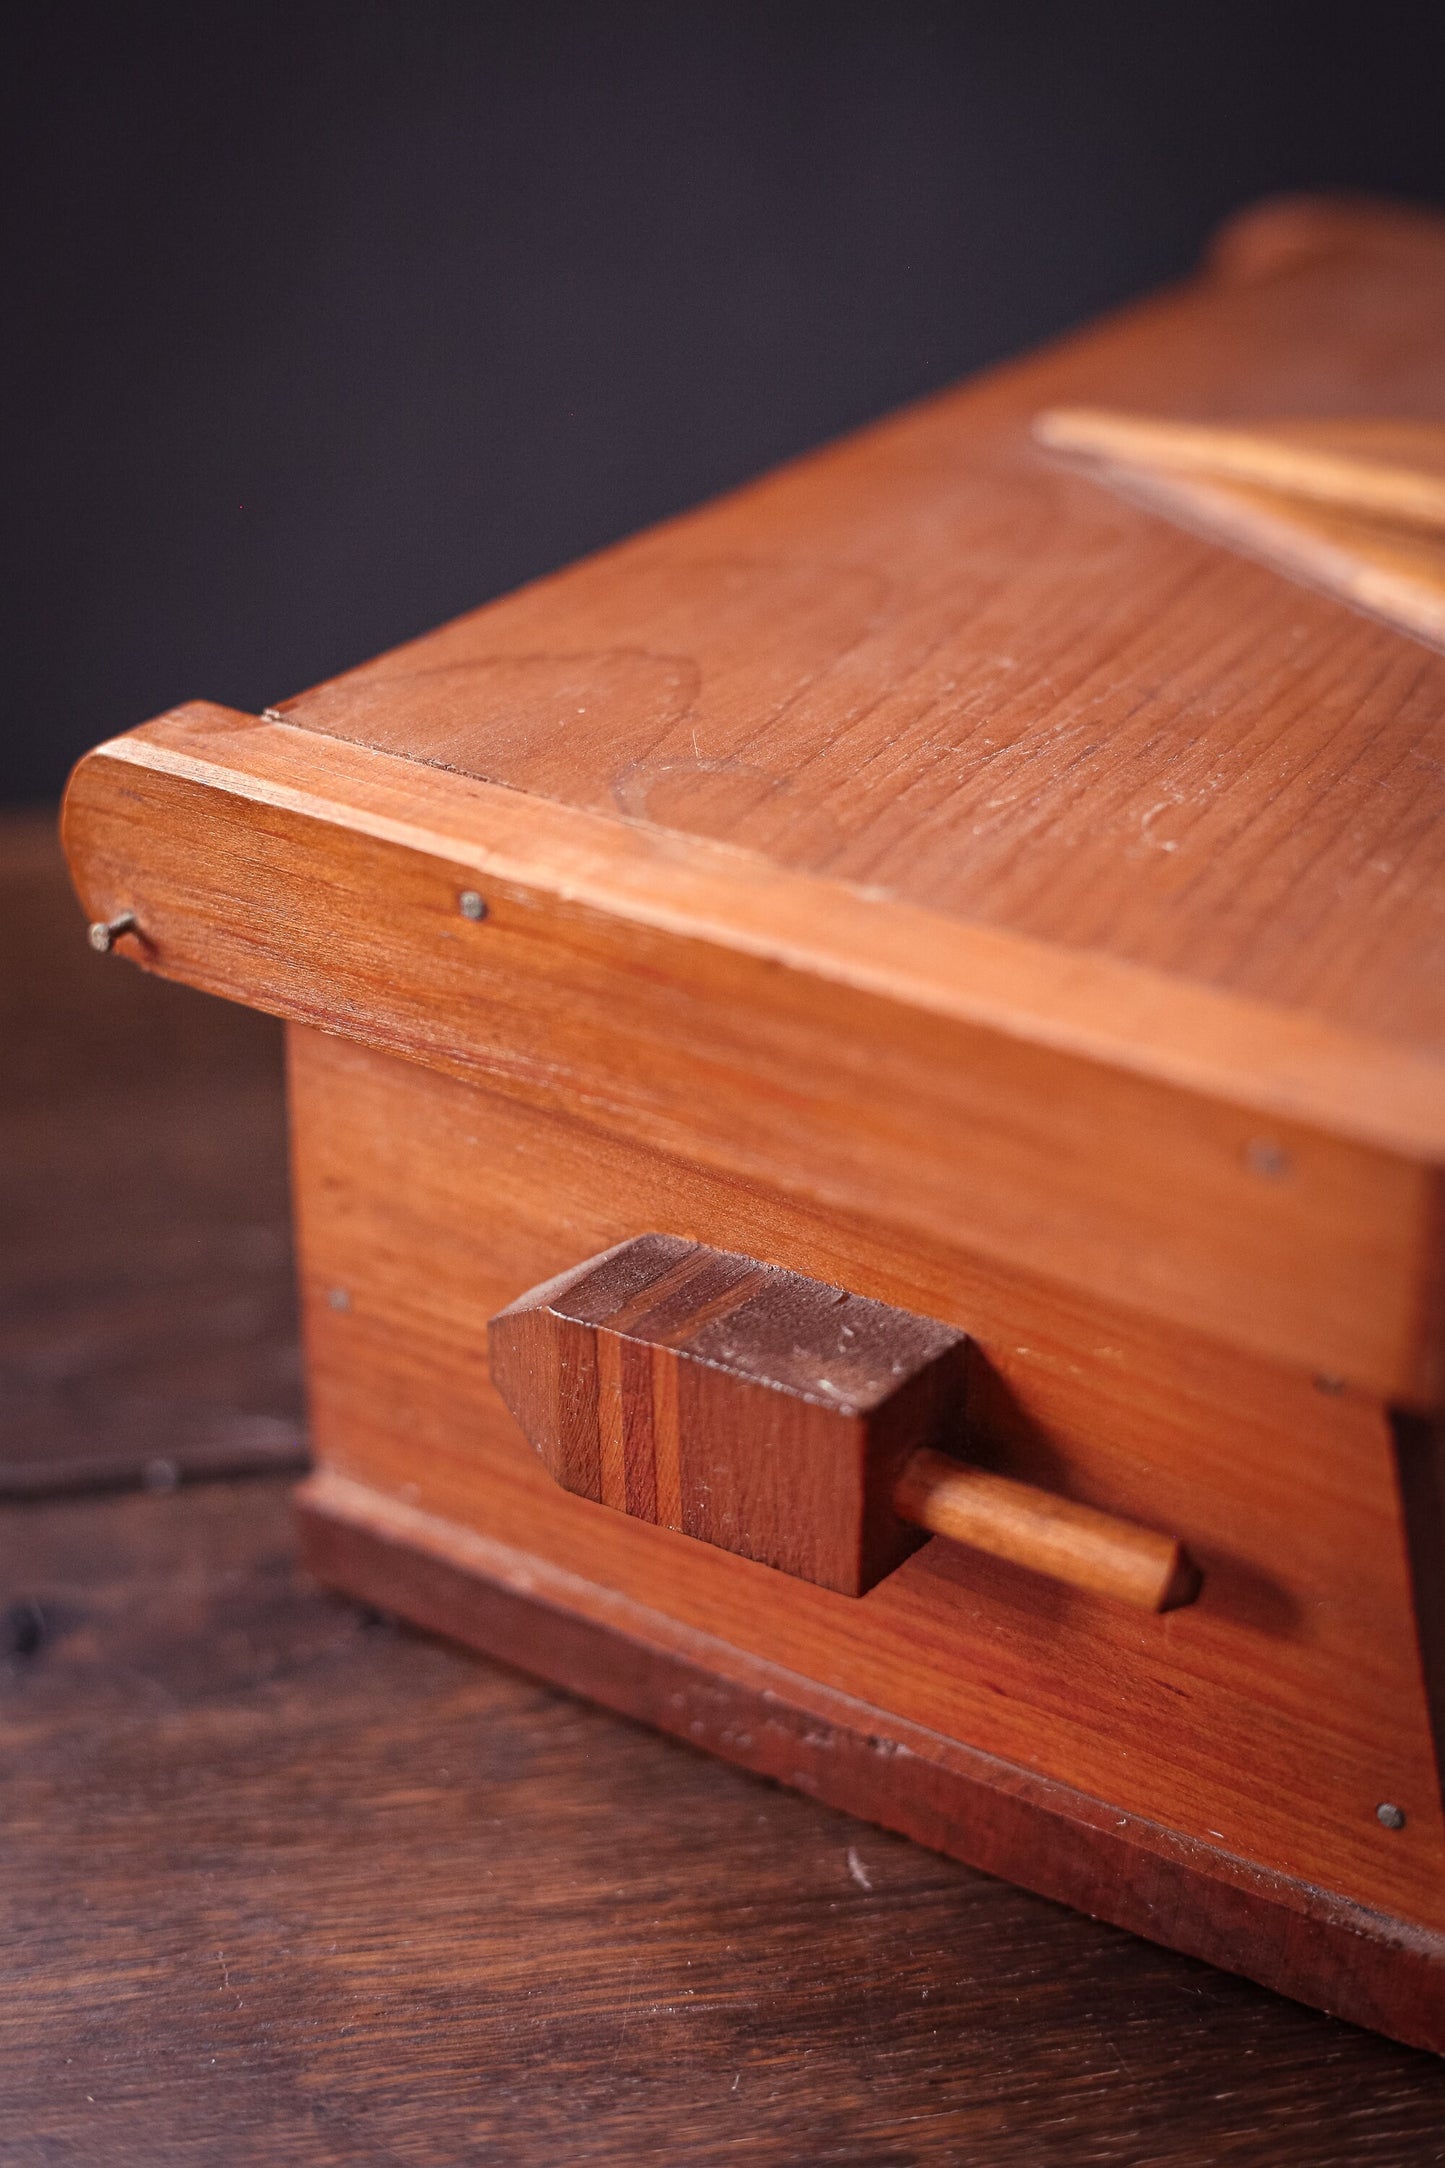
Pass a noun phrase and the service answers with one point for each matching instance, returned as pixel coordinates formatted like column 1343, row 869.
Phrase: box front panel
column 1272, row 1718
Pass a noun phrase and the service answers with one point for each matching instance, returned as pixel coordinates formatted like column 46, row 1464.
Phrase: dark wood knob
column 792, row 1422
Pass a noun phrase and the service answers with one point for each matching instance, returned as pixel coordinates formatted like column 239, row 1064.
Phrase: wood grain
column 1391, row 472
column 1276, row 236
column 735, row 1403
column 1053, row 1536
column 787, row 1421
column 1269, row 1719
column 935, row 663
column 1274, row 1184
column 1350, row 1960
column 935, row 875
column 286, row 1883
column 982, row 740
column 1305, row 498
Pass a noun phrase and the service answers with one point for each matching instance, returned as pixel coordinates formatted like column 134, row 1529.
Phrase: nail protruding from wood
column 103, row 933
column 1055, row 1536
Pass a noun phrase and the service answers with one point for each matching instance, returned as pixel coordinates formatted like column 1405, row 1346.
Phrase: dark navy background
column 324, row 321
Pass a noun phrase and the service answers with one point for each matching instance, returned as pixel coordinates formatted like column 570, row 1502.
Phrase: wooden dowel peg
column 1069, row 1542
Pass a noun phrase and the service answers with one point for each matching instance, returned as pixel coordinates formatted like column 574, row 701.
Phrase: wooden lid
column 939, row 714
column 937, row 665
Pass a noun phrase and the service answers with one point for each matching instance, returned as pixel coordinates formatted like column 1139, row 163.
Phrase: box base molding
column 522, row 1608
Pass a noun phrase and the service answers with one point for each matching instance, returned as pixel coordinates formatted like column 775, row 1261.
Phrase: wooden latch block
column 786, row 1420
column 753, row 1408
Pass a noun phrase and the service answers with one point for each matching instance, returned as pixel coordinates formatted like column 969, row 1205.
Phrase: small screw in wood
column 105, row 932
column 471, row 904
column 1389, row 1816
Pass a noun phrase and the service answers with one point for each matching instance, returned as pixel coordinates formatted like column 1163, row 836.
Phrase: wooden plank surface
column 283, row 1882
column 606, row 978
column 934, row 664
column 1269, row 1719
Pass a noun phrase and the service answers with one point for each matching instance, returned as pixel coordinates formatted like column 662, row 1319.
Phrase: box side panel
column 1271, row 1718
column 1271, row 1232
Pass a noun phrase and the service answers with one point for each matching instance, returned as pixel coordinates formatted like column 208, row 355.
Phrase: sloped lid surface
column 942, row 664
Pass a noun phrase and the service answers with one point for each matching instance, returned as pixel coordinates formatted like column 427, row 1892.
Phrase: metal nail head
column 105, row 932
column 472, row 905
column 1389, row 1816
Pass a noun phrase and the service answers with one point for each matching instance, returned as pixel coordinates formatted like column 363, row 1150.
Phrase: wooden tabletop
column 288, row 1883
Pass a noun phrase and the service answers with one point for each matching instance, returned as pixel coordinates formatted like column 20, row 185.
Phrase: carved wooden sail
column 1354, row 506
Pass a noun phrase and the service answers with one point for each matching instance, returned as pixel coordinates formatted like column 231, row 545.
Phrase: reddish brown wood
column 1355, row 507
column 414, row 1907
column 931, row 873
column 745, row 1406
column 935, row 663
column 1269, row 1179
column 1269, row 1719
column 932, row 717
column 1388, row 472
column 788, row 1421
column 1050, row 1535
column 286, row 1883
column 1355, row 1962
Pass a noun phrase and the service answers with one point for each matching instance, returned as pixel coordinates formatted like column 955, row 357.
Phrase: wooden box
column 984, row 882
